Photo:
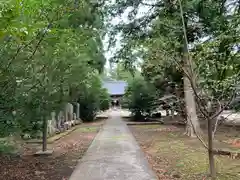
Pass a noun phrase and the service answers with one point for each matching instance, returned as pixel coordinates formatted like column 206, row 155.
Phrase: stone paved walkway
column 114, row 155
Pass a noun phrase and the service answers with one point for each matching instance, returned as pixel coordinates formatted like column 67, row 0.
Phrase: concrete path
column 114, row 155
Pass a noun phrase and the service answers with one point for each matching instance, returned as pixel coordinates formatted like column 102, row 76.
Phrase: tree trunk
column 167, row 112
column 210, row 150
column 192, row 119
column 172, row 112
column 180, row 108
column 44, row 137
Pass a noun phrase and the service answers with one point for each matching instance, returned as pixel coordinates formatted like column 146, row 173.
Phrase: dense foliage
column 92, row 98
column 105, row 100
column 191, row 46
column 50, row 50
column 156, row 36
column 139, row 97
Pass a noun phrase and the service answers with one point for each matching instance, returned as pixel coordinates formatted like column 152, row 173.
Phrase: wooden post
column 44, row 138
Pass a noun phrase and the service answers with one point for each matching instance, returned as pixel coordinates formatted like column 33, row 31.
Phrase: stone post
column 78, row 111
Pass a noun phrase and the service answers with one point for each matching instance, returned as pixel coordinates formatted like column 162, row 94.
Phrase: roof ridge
column 115, row 81
column 115, row 87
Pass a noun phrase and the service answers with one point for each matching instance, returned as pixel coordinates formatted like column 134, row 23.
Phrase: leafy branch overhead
column 49, row 49
column 188, row 48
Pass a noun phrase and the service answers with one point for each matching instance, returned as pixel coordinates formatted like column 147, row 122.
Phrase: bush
column 139, row 97
column 104, row 100
column 89, row 105
column 6, row 148
column 92, row 98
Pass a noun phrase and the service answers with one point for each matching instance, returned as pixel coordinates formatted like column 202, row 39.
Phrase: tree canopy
column 189, row 48
column 50, row 50
column 156, row 36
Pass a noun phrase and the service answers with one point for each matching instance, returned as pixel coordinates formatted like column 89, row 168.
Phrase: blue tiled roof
column 115, row 87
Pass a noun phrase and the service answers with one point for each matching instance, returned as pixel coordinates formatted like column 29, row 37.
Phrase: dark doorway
column 115, row 103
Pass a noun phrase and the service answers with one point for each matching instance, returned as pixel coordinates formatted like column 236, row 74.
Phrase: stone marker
column 68, row 112
column 51, row 126
column 78, row 111
column 44, row 153
column 74, row 116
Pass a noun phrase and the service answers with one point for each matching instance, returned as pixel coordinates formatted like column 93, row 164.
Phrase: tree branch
column 159, row 4
column 40, row 40
column 197, row 135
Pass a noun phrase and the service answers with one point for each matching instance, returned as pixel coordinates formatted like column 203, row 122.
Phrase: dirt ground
column 67, row 151
column 175, row 156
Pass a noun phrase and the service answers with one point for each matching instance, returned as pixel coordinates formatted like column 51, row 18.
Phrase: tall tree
column 162, row 24
column 48, row 51
column 174, row 32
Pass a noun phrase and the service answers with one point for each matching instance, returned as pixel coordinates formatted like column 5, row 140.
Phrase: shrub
column 139, row 97
column 6, row 148
column 92, row 98
column 89, row 104
column 104, row 100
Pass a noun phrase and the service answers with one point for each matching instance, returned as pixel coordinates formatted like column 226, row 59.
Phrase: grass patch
column 146, row 126
column 59, row 136
column 87, row 129
column 6, row 148
column 178, row 154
